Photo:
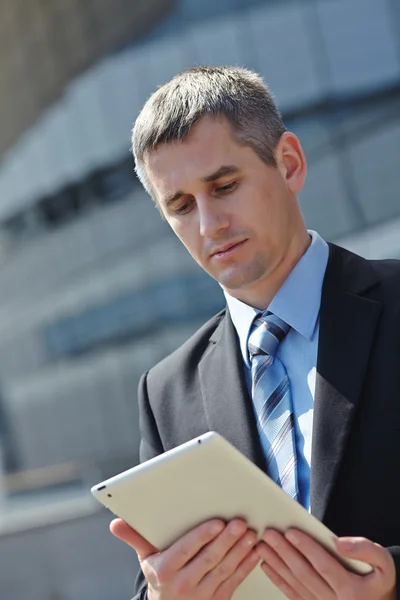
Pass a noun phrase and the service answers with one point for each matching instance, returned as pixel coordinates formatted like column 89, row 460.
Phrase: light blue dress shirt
column 297, row 302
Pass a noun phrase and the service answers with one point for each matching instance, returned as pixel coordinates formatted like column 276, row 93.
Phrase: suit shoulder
column 186, row 357
column 358, row 274
column 388, row 274
column 387, row 269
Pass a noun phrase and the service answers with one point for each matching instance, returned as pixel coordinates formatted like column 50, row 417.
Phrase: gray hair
column 239, row 95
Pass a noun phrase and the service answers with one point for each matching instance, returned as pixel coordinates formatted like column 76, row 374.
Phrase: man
column 300, row 372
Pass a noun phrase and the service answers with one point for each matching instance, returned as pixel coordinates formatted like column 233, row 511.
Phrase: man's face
column 235, row 215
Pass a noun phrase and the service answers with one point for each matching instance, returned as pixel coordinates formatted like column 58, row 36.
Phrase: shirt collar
column 304, row 283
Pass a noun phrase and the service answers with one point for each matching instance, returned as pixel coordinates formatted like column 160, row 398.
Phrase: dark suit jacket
column 355, row 466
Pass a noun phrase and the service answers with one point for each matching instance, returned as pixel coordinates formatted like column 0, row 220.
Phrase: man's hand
column 303, row 570
column 209, row 562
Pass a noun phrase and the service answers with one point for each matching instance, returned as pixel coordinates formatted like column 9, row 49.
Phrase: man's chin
column 239, row 277
column 233, row 281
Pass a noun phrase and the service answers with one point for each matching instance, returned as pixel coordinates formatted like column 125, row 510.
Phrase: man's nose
column 212, row 219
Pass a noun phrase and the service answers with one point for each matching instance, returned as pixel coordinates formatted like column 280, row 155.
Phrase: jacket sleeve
column 150, row 446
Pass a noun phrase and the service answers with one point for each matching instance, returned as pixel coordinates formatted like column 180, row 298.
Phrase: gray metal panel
column 82, row 549
column 124, row 99
column 360, row 42
column 75, row 560
column 282, row 44
column 165, row 57
column 375, row 161
column 217, row 42
column 324, row 201
column 23, row 563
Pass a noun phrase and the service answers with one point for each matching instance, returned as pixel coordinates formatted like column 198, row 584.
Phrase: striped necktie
column 272, row 401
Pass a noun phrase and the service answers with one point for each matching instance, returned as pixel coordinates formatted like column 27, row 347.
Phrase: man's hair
column 239, row 95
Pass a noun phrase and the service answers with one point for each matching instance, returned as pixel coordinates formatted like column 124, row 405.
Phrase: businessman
column 301, row 371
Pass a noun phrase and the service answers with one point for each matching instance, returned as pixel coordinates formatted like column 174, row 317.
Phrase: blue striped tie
column 272, row 401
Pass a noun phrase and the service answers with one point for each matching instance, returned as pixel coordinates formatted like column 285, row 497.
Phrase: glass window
column 61, row 207
column 135, row 313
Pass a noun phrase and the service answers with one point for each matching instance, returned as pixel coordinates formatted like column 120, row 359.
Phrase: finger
column 362, row 549
column 280, row 583
column 330, row 570
column 189, row 545
column 243, row 570
column 212, row 554
column 124, row 532
column 228, row 565
column 272, row 562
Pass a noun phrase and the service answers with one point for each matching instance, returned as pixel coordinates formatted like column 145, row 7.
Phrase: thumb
column 124, row 532
column 366, row 551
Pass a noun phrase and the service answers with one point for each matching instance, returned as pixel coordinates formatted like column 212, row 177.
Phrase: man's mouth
column 227, row 249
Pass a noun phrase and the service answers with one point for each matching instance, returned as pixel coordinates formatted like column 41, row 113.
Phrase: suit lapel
column 227, row 404
column 347, row 327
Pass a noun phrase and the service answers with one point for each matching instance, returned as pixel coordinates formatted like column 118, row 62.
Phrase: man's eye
column 184, row 208
column 227, row 188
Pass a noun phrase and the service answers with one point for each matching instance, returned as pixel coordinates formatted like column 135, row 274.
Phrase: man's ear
column 291, row 161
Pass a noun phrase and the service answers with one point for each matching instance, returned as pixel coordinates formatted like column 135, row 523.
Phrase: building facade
column 94, row 288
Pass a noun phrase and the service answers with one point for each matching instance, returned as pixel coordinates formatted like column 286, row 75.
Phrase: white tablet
column 208, row 478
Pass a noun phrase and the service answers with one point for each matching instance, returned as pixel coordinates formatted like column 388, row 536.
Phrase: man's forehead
column 169, row 161
column 176, row 165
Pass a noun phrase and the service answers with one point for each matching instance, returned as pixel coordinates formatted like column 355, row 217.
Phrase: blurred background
column 94, row 288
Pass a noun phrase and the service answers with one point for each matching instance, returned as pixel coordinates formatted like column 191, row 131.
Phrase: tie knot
column 267, row 333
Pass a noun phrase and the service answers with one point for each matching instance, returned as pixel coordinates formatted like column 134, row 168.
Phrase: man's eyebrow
column 221, row 172
column 170, row 199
